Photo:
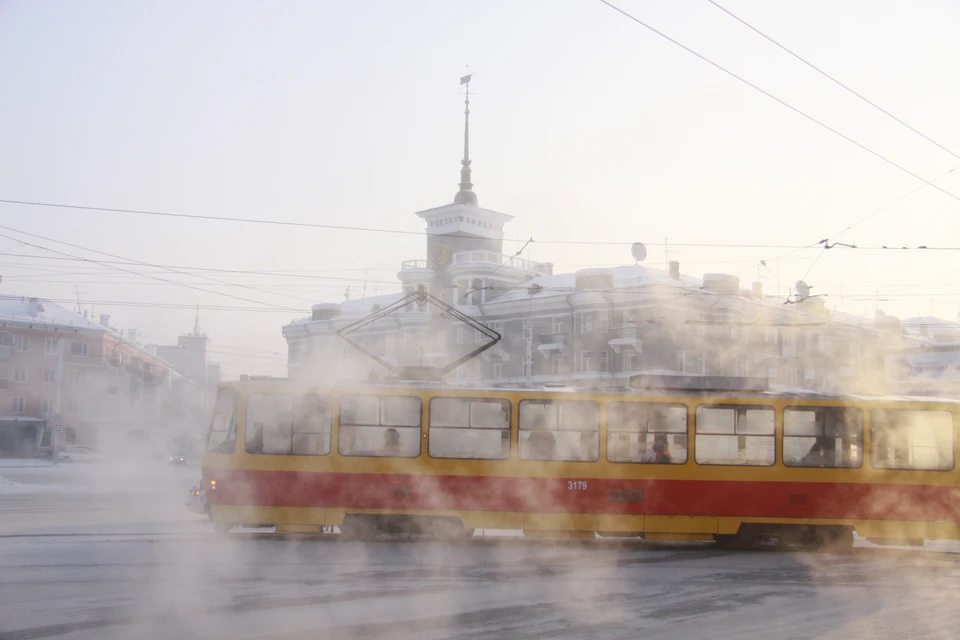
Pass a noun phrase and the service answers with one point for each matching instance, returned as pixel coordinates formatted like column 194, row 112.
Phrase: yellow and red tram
column 729, row 466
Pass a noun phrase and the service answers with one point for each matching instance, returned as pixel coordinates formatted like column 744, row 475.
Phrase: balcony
column 409, row 265
column 490, row 258
column 549, row 342
column 625, row 337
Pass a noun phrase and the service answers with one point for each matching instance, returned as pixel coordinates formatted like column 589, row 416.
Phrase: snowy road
column 162, row 573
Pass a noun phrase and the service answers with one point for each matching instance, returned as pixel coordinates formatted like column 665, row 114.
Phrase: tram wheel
column 833, row 538
column 743, row 540
column 358, row 529
column 448, row 529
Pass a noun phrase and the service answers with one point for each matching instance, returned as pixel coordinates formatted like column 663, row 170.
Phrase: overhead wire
column 146, row 264
column 832, row 79
column 172, row 282
column 778, row 100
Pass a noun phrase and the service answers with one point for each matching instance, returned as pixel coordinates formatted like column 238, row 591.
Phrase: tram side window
column 822, row 437
column 475, row 428
column 735, row 435
column 312, row 422
column 284, row 424
column 642, row 432
column 911, row 439
column 223, row 427
column 381, row 426
column 563, row 430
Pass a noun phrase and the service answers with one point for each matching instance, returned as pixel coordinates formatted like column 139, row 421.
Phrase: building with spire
column 595, row 327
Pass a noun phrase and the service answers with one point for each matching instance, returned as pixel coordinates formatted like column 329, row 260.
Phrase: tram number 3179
column 577, row 485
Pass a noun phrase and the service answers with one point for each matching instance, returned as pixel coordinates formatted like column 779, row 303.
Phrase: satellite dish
column 638, row 251
column 803, row 290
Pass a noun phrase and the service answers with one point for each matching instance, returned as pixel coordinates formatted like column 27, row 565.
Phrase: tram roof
column 766, row 394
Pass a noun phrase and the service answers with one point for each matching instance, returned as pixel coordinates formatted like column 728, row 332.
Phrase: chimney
column 33, row 307
column 104, row 320
column 674, row 269
column 758, row 289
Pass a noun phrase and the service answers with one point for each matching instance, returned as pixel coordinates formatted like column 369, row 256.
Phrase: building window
column 50, row 347
column 558, row 364
column 5, row 339
column 21, row 343
column 586, row 323
column 557, row 326
column 478, row 338
column 628, row 362
column 742, row 368
column 702, row 364
column 586, row 361
column 79, row 378
column 498, row 369
column 79, row 349
column 20, row 375
column 604, row 361
column 45, row 406
column 49, row 376
column 734, row 332
column 681, row 362
column 461, row 335
column 19, row 405
column 770, row 336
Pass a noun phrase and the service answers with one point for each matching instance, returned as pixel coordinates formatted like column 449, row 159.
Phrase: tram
column 733, row 466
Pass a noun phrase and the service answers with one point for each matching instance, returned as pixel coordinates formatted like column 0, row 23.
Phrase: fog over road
column 123, row 567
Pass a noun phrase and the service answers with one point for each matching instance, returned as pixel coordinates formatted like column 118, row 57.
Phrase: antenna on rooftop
column 638, row 251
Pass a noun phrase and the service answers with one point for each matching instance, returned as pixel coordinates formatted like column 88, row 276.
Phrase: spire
column 466, row 194
column 196, row 322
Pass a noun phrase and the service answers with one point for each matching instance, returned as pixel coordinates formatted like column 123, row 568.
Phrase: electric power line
column 832, row 79
column 141, row 263
column 779, row 100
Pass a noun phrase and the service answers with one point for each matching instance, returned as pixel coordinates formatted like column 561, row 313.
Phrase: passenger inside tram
column 659, row 452
column 391, row 443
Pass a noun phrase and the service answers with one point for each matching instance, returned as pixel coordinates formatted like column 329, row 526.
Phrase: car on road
column 178, row 460
column 197, row 502
column 82, row 454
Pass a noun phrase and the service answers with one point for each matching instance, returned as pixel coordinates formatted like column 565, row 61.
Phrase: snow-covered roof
column 355, row 308
column 623, row 278
column 366, row 305
column 40, row 311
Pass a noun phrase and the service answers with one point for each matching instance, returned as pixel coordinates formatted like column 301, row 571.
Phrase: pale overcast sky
column 585, row 126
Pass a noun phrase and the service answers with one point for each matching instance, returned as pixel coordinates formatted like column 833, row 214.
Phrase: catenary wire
column 172, row 282
column 146, row 264
column 779, row 100
column 832, row 79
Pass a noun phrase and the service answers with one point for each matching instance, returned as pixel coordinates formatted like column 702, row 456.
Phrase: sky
column 586, row 126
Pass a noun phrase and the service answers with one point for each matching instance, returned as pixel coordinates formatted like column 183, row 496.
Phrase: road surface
column 163, row 573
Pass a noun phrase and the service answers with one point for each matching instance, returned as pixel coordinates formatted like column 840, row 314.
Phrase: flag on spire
column 465, row 79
